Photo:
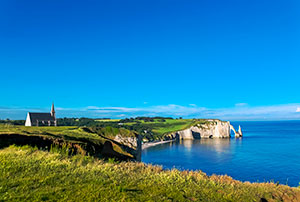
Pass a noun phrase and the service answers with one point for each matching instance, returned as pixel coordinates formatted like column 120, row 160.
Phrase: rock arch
column 238, row 133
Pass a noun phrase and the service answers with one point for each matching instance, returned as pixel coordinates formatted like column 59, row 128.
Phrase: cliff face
column 211, row 129
column 128, row 141
column 134, row 143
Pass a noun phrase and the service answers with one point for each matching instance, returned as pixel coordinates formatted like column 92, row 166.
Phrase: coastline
column 152, row 144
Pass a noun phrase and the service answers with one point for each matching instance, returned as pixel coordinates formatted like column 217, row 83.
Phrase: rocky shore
column 151, row 144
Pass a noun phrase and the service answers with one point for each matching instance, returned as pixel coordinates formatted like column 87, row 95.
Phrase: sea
column 268, row 152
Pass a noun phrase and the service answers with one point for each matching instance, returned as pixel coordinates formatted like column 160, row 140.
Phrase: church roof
column 41, row 117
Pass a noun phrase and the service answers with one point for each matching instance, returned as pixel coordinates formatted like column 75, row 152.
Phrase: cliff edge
column 209, row 129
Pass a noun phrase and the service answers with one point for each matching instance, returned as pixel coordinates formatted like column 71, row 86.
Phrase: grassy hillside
column 157, row 129
column 108, row 120
column 28, row 174
column 173, row 125
column 169, row 125
column 66, row 131
column 95, row 141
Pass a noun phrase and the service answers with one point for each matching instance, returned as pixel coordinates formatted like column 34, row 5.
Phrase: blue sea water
column 269, row 151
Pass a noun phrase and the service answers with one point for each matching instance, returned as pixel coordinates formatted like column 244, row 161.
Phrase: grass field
column 28, row 174
column 79, row 139
column 64, row 131
column 61, row 131
column 108, row 120
column 169, row 125
column 172, row 125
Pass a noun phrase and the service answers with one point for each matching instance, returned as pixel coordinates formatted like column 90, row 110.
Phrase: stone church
column 41, row 119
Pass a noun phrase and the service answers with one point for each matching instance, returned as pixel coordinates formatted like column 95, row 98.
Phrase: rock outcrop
column 134, row 143
column 238, row 133
column 210, row 129
column 128, row 141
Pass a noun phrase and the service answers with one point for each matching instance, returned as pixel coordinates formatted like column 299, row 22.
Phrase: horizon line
column 239, row 112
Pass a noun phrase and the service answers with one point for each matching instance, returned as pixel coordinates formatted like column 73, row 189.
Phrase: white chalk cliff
column 210, row 129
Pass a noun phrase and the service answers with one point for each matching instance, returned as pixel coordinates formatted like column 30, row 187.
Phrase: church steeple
column 52, row 111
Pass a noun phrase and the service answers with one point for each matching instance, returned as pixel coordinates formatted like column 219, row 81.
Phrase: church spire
column 52, row 110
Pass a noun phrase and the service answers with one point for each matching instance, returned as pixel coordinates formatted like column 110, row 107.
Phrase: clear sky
column 234, row 59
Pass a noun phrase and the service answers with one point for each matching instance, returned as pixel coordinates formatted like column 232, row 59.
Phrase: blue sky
column 235, row 59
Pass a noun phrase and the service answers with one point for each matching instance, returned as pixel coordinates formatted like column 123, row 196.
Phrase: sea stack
column 240, row 132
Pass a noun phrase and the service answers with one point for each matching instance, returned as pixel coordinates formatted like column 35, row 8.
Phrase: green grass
column 81, row 137
column 172, row 125
column 65, row 131
column 161, row 128
column 61, row 131
column 108, row 120
column 28, row 174
column 112, row 132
